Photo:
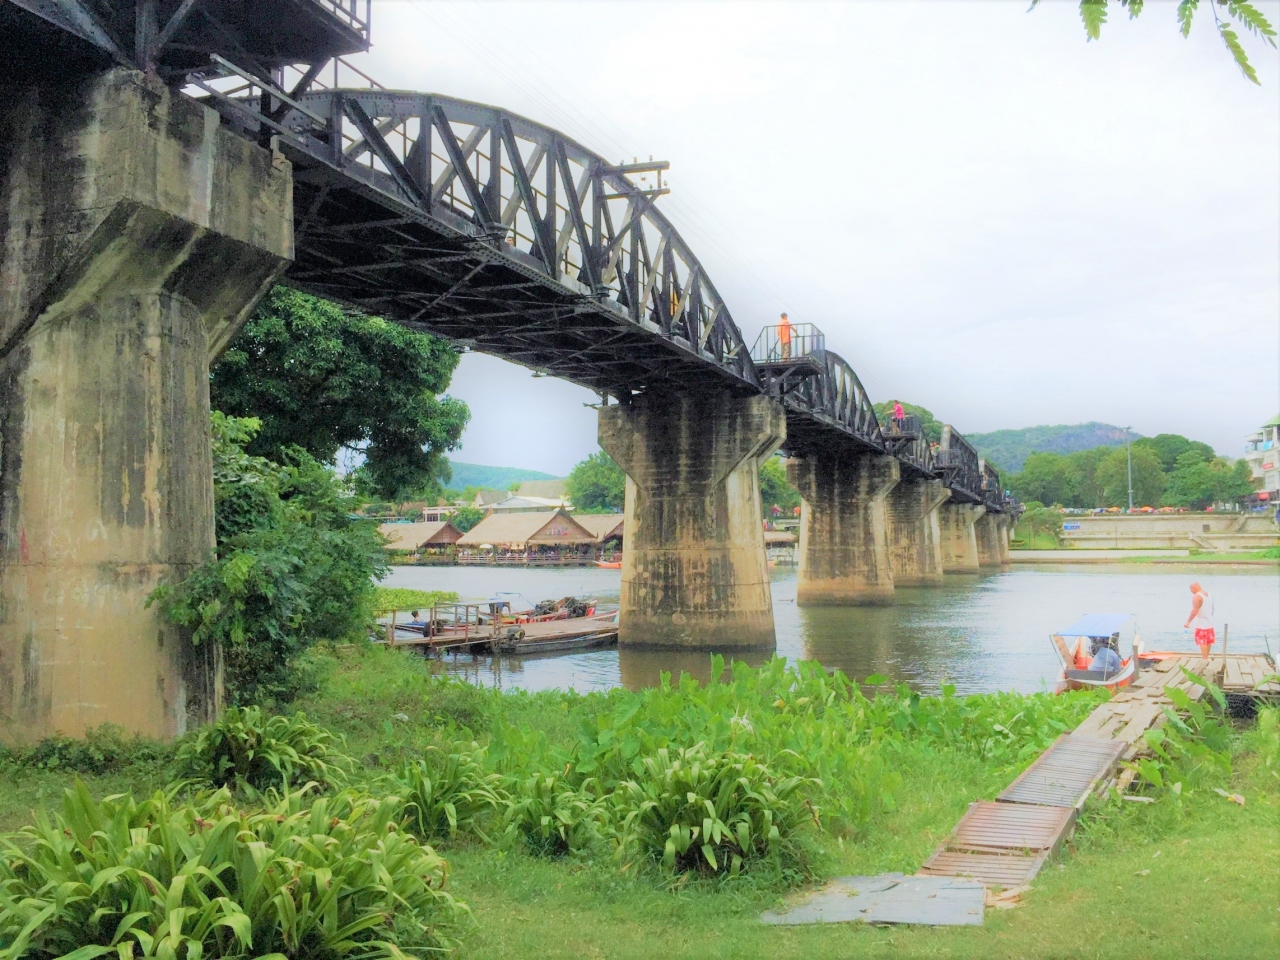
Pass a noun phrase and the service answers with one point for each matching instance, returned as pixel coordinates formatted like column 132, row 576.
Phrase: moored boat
column 1090, row 651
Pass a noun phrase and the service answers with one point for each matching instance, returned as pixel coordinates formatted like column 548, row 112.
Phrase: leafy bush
column 103, row 750
column 445, row 792
column 245, row 746
column 306, row 878
column 292, row 569
column 1193, row 743
column 386, row 599
column 552, row 817
column 1266, row 740
column 698, row 812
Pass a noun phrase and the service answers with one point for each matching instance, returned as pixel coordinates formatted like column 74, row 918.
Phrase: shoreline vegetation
column 619, row 824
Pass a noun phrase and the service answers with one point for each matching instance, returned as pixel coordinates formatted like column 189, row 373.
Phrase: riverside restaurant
column 528, row 539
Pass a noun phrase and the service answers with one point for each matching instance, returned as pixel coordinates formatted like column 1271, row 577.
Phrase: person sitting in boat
column 1106, row 660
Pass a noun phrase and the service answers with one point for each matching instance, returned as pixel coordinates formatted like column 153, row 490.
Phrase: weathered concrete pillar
column 915, row 541
column 137, row 235
column 992, row 532
column 844, row 527
column 694, row 573
column 959, row 541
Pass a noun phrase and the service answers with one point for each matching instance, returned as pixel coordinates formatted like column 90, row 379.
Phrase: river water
column 981, row 633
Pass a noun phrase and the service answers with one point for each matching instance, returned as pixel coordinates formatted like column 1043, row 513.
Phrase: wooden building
column 429, row 541
column 607, row 528
column 532, row 539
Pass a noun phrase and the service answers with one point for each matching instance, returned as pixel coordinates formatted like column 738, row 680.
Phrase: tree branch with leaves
column 1093, row 14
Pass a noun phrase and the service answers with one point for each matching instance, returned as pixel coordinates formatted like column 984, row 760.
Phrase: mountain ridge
column 490, row 478
column 1009, row 449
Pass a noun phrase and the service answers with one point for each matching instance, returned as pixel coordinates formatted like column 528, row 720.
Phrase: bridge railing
column 778, row 344
column 350, row 13
column 958, row 462
column 527, row 192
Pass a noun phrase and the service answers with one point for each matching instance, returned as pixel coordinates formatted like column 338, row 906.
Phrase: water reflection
column 981, row 633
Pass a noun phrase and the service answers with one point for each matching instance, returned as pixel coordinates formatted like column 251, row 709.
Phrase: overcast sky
column 984, row 213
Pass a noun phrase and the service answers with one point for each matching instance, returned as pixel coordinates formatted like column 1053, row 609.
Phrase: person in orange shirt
column 784, row 337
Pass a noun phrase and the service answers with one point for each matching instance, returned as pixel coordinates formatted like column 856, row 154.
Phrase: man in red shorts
column 1201, row 619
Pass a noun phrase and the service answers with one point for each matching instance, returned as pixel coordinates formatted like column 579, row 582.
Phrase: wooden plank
column 1141, row 722
column 1065, row 774
column 1011, row 826
column 993, row 869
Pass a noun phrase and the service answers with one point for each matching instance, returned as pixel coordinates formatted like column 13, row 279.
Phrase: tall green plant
column 697, row 812
column 247, row 747
column 305, row 878
column 449, row 791
column 292, row 568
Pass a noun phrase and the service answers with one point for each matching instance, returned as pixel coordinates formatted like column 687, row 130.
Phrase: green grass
column 1039, row 540
column 1187, row 876
column 1211, row 892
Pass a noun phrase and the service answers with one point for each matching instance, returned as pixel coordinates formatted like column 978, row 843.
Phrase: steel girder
column 500, row 233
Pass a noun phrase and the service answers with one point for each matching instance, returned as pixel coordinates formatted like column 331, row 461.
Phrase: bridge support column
column 137, row 237
column 694, row 572
column 844, row 527
column 992, row 533
column 959, row 541
column 915, row 540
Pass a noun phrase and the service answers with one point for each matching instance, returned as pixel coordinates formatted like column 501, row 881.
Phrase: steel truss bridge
column 470, row 222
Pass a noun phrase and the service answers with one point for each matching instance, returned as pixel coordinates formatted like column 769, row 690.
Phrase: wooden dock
column 1004, row 843
column 535, row 637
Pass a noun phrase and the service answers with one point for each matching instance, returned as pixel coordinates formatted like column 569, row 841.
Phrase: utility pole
column 1128, row 453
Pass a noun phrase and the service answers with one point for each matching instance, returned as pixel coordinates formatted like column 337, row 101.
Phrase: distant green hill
column 490, row 478
column 1008, row 449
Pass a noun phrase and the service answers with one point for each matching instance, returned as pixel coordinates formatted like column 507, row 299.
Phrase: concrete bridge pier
column 137, row 236
column 915, row 538
column 844, row 527
column 992, row 533
column 959, row 540
column 694, row 573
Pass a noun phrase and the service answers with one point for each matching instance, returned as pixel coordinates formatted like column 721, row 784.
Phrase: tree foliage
column 1093, row 14
column 775, row 490
column 1170, row 446
column 1037, row 519
column 1198, row 481
column 1168, row 470
column 1148, row 478
column 324, row 379
column 292, row 569
column 466, row 518
column 932, row 425
column 597, row 485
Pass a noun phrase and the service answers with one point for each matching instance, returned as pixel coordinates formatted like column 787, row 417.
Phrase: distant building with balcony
column 1262, row 452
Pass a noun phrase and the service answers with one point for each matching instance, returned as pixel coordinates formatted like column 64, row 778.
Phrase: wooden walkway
column 1005, row 842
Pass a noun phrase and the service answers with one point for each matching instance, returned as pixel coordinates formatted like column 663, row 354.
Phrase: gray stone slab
column 889, row 898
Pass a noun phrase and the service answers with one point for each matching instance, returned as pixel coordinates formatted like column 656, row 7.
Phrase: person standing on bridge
column 898, row 415
column 1201, row 619
column 784, row 337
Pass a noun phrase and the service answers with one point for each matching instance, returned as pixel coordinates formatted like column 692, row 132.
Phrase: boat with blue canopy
column 1092, row 651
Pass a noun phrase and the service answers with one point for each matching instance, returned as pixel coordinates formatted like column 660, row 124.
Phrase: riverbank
column 1256, row 558
column 1142, row 879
